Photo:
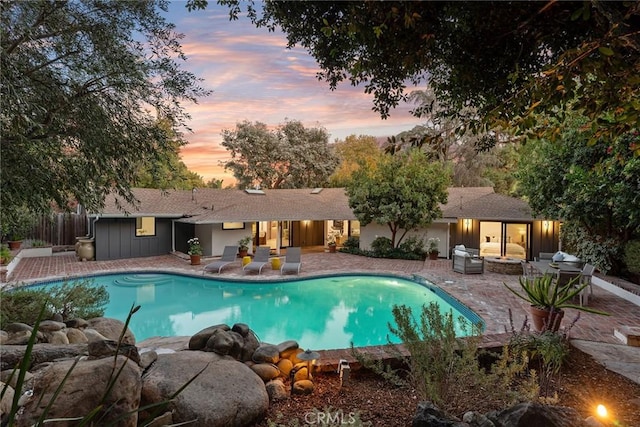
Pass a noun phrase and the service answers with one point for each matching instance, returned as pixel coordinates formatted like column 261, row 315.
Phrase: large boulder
column 83, row 391
column 535, row 414
column 10, row 355
column 199, row 340
column 429, row 415
column 7, row 398
column 266, row 353
column 227, row 393
column 111, row 329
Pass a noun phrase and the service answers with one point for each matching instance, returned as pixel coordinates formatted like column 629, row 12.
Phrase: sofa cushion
column 570, row 258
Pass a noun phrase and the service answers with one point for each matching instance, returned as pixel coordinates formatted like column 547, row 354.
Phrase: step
column 629, row 335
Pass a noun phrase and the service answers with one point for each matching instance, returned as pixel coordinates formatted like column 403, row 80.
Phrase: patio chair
column 587, row 275
column 292, row 261
column 465, row 263
column 544, row 256
column 528, row 271
column 565, row 277
column 260, row 259
column 229, row 255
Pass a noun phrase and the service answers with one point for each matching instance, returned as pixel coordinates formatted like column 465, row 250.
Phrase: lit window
column 145, row 226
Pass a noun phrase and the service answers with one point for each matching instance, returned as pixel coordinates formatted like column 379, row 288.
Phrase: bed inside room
column 493, row 240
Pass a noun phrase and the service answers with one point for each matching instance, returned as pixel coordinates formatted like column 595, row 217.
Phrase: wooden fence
column 60, row 229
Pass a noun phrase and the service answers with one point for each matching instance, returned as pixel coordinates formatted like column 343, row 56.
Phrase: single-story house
column 163, row 220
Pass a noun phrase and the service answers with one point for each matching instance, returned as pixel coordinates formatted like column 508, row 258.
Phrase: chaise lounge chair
column 260, row 259
column 228, row 256
column 291, row 261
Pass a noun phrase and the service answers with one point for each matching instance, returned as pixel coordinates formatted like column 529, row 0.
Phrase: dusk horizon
column 254, row 77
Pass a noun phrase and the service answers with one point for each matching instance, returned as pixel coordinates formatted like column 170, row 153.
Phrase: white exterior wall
column 439, row 230
column 217, row 238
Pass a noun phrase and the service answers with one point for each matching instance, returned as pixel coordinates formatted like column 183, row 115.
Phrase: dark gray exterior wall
column 115, row 238
column 183, row 232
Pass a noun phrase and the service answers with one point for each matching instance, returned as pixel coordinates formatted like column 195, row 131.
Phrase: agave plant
column 546, row 293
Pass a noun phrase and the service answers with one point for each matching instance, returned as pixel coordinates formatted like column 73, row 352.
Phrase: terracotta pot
column 542, row 318
column 332, row 249
column 195, row 259
column 14, row 245
column 243, row 252
column 433, row 255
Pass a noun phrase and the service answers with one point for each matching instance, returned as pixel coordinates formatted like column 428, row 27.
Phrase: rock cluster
column 231, row 376
column 274, row 364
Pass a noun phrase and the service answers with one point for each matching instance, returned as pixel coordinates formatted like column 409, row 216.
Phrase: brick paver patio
column 483, row 293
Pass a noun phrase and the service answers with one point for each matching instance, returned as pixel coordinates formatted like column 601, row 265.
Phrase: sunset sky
column 254, row 77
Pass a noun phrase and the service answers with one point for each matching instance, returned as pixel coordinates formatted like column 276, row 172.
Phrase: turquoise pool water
column 320, row 313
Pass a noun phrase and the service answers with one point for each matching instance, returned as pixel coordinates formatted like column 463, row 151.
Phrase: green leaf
column 606, row 51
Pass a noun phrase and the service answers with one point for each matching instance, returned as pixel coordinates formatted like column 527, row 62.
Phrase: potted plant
column 243, row 246
column 195, row 250
column 331, row 243
column 548, row 298
column 17, row 224
column 433, row 251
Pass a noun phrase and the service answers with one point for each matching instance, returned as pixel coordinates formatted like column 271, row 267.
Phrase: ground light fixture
column 310, row 357
column 344, row 370
column 601, row 410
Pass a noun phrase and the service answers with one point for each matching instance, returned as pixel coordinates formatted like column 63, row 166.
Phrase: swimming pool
column 320, row 313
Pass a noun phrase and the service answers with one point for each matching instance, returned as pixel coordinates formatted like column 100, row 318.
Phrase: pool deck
column 483, row 293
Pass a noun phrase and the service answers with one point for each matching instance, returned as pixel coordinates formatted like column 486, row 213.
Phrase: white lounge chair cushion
column 459, row 252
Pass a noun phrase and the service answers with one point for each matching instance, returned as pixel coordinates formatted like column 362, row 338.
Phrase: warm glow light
column 467, row 224
column 601, row 410
column 545, row 225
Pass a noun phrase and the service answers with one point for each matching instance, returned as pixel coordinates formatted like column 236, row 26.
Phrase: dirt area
column 582, row 385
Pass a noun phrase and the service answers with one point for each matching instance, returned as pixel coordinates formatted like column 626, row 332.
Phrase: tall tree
column 291, row 156
column 403, row 191
column 593, row 188
column 508, row 59
column 446, row 138
column 83, row 84
column 352, row 152
column 167, row 172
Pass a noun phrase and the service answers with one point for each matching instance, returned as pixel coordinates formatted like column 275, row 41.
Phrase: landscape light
column 601, row 410
column 310, row 357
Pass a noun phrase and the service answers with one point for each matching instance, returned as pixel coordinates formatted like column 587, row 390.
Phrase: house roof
column 212, row 205
column 483, row 204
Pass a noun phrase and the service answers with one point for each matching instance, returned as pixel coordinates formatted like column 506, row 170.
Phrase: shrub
column 5, row 255
column 546, row 351
column 413, row 245
column 352, row 242
column 381, row 246
column 38, row 243
column 71, row 300
column 447, row 370
column 604, row 253
column 632, row 256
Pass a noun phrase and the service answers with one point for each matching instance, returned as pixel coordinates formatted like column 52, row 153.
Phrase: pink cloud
column 254, row 77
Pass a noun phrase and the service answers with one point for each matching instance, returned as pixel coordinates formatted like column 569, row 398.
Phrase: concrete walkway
column 483, row 293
